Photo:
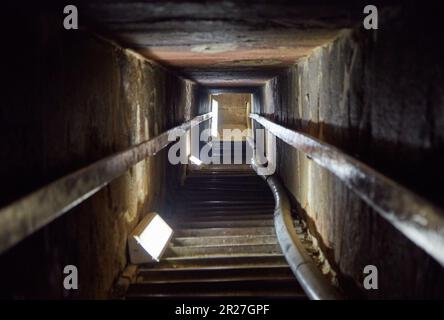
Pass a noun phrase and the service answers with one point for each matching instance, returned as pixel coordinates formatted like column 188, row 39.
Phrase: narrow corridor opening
column 230, row 127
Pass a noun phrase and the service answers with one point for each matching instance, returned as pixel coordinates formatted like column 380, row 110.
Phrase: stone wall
column 71, row 99
column 378, row 96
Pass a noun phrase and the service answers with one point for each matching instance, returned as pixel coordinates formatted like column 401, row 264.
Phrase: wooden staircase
column 224, row 242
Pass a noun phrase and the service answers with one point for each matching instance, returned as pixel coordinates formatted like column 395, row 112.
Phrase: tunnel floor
column 224, row 242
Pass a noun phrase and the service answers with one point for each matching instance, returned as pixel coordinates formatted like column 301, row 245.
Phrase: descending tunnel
column 339, row 176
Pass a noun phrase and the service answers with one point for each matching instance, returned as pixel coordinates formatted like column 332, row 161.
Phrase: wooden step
column 189, row 275
column 201, row 232
column 217, row 262
column 224, row 240
column 223, row 288
column 225, row 224
column 230, row 217
column 222, row 210
column 212, row 272
column 230, row 203
column 174, row 251
column 192, row 213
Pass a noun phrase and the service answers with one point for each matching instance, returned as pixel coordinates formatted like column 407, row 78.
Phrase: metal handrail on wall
column 27, row 215
column 413, row 216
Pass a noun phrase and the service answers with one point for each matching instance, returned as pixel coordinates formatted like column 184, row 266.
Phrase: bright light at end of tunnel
column 154, row 237
column 195, row 160
column 214, row 112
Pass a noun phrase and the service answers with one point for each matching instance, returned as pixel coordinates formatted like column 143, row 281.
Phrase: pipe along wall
column 378, row 97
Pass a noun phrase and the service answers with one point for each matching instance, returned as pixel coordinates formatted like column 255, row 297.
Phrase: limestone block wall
column 378, row 96
column 74, row 98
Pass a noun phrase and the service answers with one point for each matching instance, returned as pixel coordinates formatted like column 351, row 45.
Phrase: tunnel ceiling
column 225, row 43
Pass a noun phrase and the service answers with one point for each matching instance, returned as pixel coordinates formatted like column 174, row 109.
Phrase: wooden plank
column 27, row 215
column 416, row 218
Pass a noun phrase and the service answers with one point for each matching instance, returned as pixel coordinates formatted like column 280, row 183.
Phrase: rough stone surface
column 72, row 99
column 224, row 43
column 378, row 96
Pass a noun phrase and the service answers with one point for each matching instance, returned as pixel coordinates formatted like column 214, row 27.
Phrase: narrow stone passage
column 224, row 244
column 281, row 148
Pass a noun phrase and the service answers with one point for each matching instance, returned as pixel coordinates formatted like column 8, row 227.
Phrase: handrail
column 27, row 215
column 413, row 216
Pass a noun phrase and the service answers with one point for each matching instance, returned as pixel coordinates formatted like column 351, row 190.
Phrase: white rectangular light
column 195, row 160
column 149, row 239
column 214, row 120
